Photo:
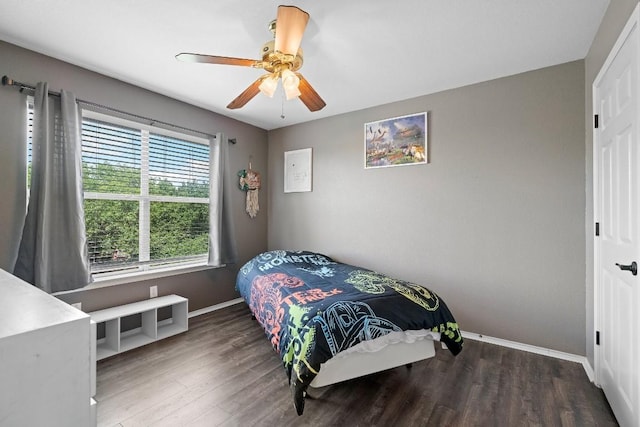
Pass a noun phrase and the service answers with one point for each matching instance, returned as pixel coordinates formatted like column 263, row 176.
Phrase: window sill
column 120, row 279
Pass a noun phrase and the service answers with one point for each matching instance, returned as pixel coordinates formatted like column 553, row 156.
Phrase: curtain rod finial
column 232, row 140
column 6, row 81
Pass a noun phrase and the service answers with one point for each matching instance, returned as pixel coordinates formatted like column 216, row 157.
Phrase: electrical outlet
column 153, row 291
column 77, row 305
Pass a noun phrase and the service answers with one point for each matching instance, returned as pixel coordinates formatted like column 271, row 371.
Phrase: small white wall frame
column 297, row 170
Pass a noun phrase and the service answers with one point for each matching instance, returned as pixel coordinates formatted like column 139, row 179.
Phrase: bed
column 331, row 321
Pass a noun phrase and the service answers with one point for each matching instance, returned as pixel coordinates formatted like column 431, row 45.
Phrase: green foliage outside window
column 112, row 230
column 177, row 229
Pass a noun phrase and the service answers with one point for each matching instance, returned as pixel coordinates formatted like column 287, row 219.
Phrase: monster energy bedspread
column 312, row 307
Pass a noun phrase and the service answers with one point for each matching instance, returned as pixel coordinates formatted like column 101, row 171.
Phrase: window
column 146, row 193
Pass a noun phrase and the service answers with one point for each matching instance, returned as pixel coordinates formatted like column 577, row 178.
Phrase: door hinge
column 597, row 228
column 595, row 121
column 597, row 337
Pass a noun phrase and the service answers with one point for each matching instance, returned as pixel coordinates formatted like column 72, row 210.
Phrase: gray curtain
column 53, row 249
column 222, row 244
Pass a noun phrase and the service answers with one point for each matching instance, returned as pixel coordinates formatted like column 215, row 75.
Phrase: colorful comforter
column 312, row 307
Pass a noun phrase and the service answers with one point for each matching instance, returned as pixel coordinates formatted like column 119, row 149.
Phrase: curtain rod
column 6, row 81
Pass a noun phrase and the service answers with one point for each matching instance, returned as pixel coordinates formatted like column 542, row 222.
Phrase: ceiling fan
column 281, row 59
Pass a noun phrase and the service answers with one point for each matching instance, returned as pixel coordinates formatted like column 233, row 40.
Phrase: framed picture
column 398, row 141
column 297, row 170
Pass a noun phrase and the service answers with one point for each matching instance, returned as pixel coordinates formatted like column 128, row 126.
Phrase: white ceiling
column 357, row 54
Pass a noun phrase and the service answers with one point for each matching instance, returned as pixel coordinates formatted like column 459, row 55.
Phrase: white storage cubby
column 116, row 341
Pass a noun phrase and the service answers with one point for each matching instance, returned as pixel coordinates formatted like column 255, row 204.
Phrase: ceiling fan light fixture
column 292, row 92
column 290, row 83
column 269, row 85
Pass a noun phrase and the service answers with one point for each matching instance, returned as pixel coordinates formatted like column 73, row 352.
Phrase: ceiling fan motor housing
column 276, row 61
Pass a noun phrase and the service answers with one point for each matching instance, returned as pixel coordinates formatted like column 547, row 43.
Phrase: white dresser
column 47, row 367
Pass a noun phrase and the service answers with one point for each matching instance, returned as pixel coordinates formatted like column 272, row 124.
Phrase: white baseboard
column 214, row 307
column 467, row 335
column 591, row 373
column 534, row 349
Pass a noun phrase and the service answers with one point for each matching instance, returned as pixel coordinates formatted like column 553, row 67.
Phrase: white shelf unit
column 116, row 341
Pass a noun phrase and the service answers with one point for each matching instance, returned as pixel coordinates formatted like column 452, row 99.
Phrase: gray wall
column 614, row 20
column 494, row 223
column 492, row 219
column 203, row 288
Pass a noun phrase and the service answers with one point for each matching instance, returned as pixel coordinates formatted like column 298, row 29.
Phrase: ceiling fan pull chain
column 282, row 113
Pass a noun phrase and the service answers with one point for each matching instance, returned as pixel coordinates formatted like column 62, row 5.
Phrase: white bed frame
column 357, row 364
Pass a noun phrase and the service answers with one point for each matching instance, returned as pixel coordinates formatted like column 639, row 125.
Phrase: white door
column 617, row 210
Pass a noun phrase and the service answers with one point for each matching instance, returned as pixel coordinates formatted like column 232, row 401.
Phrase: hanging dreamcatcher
column 250, row 182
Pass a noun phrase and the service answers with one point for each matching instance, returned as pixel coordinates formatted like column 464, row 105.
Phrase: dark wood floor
column 223, row 372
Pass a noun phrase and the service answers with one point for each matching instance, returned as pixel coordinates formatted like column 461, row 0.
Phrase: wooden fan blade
column 247, row 95
column 309, row 96
column 212, row 59
column 290, row 24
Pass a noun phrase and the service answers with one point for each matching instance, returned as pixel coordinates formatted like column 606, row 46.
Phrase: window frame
column 144, row 270
column 106, row 279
